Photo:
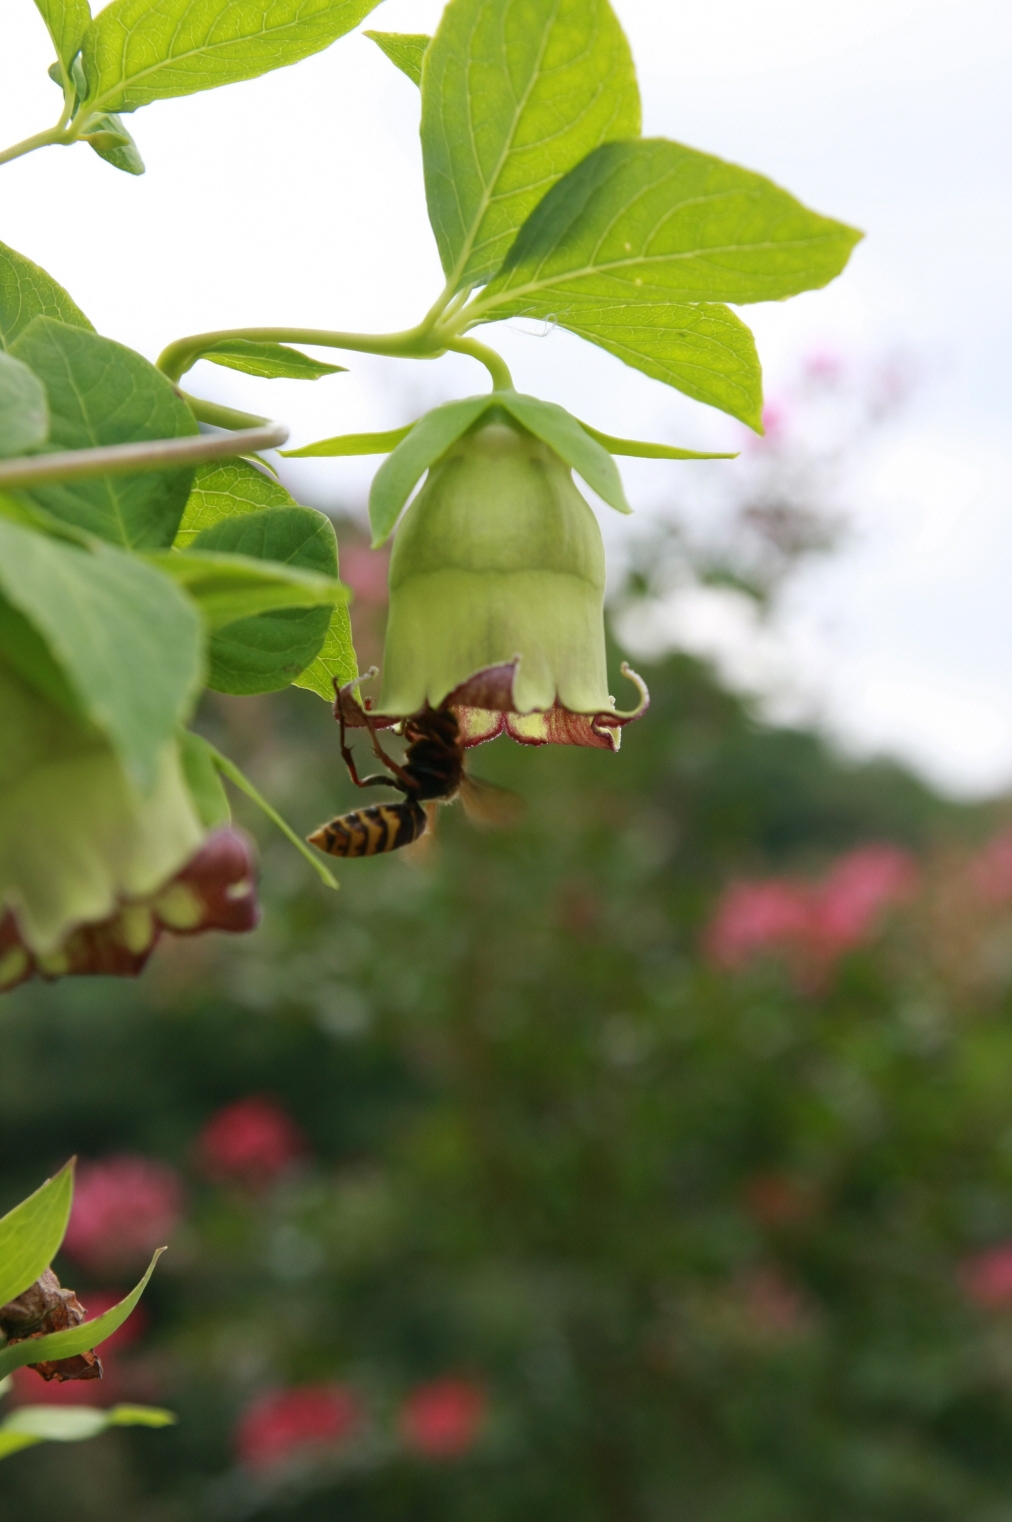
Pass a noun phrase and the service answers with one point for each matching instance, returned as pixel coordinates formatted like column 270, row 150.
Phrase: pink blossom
column 824, row 365
column 987, row 1277
column 300, row 1420
column 991, row 869
column 812, row 922
column 124, row 1207
column 753, row 917
column 851, row 898
column 442, row 1419
column 249, row 1142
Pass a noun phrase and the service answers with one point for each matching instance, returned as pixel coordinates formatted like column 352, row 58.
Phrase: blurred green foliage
column 697, row 1234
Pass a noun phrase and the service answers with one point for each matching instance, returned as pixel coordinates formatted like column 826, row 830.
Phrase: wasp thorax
column 499, row 563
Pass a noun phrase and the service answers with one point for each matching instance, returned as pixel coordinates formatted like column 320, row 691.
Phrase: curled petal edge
column 485, row 709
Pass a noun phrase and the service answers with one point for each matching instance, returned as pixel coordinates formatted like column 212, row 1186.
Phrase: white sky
column 297, row 199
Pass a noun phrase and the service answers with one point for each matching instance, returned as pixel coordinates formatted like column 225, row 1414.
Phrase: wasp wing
column 489, row 806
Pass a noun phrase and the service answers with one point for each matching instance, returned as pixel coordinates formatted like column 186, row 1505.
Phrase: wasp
column 431, row 773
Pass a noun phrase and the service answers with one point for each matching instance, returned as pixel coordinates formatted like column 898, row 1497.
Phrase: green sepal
column 238, row 779
column 29, row 1425
column 227, row 587
column 31, row 1233
column 404, row 49
column 270, row 361
column 649, row 451
column 24, row 411
column 203, row 781
column 351, row 443
column 77, row 1339
column 421, row 447
column 557, row 428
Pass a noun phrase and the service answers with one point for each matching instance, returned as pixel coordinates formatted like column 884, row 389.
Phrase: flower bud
column 91, row 872
column 497, row 596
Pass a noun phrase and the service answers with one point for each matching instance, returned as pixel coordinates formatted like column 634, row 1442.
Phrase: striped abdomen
column 370, row 832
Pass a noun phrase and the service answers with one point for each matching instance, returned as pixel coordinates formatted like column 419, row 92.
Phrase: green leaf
column 24, row 412
column 137, row 51
column 652, row 221
column 514, row 94
column 26, row 291
column 649, row 451
column 227, row 490
column 112, row 142
column 703, row 350
column 269, row 360
column 405, row 49
column 560, row 431
column 238, row 779
column 77, row 1339
column 351, row 443
column 72, row 1424
column 430, row 437
column 266, row 652
column 127, row 640
column 102, row 393
column 67, row 21
column 203, row 781
column 31, row 1233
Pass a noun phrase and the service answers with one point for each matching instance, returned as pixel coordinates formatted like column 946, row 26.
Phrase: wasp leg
column 349, row 760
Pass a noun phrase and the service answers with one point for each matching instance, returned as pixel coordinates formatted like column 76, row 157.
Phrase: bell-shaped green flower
column 497, row 597
column 76, row 839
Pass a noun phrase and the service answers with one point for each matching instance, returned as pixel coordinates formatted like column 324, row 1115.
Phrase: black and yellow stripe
column 372, row 831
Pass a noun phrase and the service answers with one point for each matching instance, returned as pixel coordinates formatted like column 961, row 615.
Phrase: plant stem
column 221, row 417
column 414, row 343
column 496, row 366
column 55, row 134
column 153, row 454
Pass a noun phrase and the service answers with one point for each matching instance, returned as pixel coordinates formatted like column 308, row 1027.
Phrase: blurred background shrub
column 652, row 1160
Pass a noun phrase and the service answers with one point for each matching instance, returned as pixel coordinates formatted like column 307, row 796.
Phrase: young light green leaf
column 336, row 660
column 405, row 49
column 77, row 1339
column 649, row 451
column 514, row 94
column 26, row 291
column 112, row 142
column 266, row 652
column 72, row 1424
column 102, row 393
column 703, row 350
column 67, row 21
column 351, row 443
column 128, row 641
column 24, row 411
column 652, row 221
column 203, row 781
column 227, row 490
column 137, row 51
column 398, row 476
column 238, row 779
column 560, row 431
column 31, row 1233
column 269, row 360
